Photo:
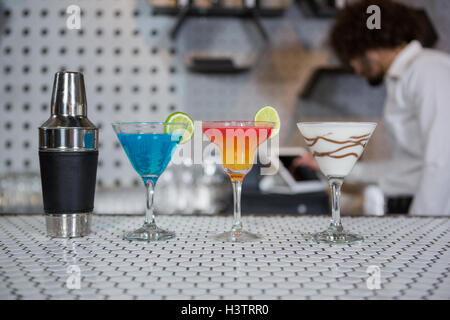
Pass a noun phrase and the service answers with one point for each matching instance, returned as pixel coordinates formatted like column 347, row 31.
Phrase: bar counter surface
column 412, row 254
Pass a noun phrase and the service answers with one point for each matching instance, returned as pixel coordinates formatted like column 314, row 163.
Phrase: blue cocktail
column 149, row 153
column 149, row 147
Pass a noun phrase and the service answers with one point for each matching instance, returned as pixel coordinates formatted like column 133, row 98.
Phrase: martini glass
column 237, row 141
column 336, row 146
column 149, row 147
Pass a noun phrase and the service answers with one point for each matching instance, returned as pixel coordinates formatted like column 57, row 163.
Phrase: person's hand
column 307, row 160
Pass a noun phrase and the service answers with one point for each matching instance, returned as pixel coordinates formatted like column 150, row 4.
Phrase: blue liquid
column 149, row 153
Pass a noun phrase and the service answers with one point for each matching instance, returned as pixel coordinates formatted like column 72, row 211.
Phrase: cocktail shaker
column 68, row 156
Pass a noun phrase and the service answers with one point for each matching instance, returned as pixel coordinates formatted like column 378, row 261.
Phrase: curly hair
column 351, row 38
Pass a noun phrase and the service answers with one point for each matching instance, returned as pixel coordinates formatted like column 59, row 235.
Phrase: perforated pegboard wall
column 129, row 64
column 133, row 72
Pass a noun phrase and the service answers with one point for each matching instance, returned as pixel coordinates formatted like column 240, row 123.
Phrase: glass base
column 235, row 236
column 336, row 237
column 149, row 232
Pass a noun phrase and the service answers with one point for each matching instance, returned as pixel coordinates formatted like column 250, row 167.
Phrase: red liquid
column 237, row 146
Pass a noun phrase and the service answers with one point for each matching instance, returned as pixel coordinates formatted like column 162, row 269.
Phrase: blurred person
column 417, row 107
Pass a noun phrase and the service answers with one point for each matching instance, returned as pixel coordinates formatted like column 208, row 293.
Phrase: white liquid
column 340, row 162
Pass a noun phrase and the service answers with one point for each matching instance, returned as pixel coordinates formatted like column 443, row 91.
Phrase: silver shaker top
column 68, row 128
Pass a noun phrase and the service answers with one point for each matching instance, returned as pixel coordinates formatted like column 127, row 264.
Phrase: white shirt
column 417, row 117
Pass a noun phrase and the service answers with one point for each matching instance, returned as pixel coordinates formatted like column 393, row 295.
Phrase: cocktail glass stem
column 335, row 232
column 237, row 188
column 335, row 186
column 237, row 232
column 149, row 231
column 149, row 211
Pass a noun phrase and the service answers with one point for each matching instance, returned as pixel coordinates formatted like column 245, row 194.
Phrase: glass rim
column 337, row 123
column 226, row 123
column 149, row 123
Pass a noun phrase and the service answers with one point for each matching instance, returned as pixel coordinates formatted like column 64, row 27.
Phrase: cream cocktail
column 336, row 146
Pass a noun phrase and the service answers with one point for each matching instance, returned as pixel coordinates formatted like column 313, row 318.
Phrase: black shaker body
column 68, row 181
column 68, row 156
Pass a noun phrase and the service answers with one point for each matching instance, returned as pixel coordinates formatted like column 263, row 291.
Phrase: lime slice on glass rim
column 180, row 117
column 269, row 113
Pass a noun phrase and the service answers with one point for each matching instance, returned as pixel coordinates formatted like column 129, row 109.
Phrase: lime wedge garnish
column 180, row 117
column 269, row 113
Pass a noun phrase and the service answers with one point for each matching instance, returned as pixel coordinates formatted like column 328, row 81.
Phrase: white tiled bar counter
column 412, row 255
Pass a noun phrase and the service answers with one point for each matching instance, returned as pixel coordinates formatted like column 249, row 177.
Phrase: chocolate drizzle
column 353, row 142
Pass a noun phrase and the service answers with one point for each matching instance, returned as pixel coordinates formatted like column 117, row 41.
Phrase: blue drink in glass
column 149, row 147
column 149, row 153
